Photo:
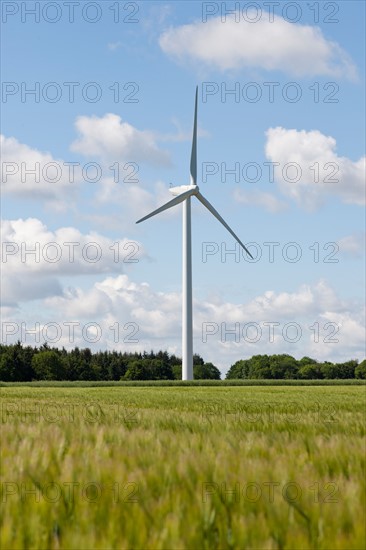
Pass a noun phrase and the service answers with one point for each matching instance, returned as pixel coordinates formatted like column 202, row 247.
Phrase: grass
column 237, row 382
column 218, row 467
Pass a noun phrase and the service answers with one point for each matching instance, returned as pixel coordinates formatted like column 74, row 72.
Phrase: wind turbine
column 183, row 193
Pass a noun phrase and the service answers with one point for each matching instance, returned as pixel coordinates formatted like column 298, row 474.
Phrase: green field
column 196, row 467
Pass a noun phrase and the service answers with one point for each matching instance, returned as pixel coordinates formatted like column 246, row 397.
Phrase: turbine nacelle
column 178, row 190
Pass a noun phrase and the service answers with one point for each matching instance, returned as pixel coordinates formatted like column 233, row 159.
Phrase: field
column 216, row 467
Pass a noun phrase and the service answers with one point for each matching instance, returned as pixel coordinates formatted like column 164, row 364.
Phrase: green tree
column 177, row 371
column 307, row 361
column 16, row 363
column 238, row 370
column 137, row 370
column 339, row 370
column 48, row 365
column 283, row 366
column 260, row 367
column 161, row 369
column 360, row 370
column 347, row 369
column 207, row 371
column 310, row 371
column 197, row 359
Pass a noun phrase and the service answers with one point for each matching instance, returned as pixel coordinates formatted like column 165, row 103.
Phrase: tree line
column 287, row 367
column 20, row 363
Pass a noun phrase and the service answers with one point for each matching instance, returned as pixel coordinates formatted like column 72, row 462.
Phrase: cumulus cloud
column 17, row 289
column 298, row 323
column 352, row 245
column 30, row 173
column 309, row 169
column 133, row 200
column 110, row 138
column 260, row 198
column 34, row 258
column 295, row 49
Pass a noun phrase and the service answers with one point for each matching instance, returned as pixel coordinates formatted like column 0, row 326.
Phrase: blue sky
column 133, row 85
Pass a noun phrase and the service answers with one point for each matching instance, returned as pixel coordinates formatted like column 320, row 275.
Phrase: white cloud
column 260, row 198
column 29, row 247
column 111, row 139
column 154, row 318
column 310, row 169
column 30, row 173
column 352, row 245
column 33, row 257
column 133, row 202
column 17, row 288
column 299, row 50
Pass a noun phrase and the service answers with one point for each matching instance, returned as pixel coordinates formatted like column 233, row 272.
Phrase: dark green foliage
column 201, row 370
column 48, row 365
column 311, row 371
column 16, row 363
column 137, row 371
column 20, row 363
column 339, row 370
column 360, row 370
column 149, row 369
column 286, row 367
column 207, row 371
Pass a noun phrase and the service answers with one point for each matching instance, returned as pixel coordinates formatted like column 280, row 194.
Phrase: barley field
column 241, row 467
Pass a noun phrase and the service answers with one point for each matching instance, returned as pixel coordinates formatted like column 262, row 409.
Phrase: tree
column 16, row 363
column 307, row 361
column 310, row 371
column 177, row 372
column 137, row 371
column 240, row 369
column 283, row 366
column 346, row 369
column 161, row 369
column 197, row 359
column 360, row 370
column 339, row 370
column 207, row 371
column 260, row 367
column 48, row 365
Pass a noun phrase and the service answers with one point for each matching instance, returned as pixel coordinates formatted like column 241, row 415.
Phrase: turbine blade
column 169, row 204
column 194, row 145
column 217, row 215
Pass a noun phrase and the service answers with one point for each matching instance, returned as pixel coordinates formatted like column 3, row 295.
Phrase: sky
column 97, row 112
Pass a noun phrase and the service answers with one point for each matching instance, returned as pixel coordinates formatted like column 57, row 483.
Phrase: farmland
column 199, row 467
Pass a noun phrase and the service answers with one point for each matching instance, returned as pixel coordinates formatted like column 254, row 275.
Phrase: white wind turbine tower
column 183, row 193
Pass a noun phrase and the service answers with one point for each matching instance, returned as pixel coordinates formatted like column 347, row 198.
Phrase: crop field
column 241, row 467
